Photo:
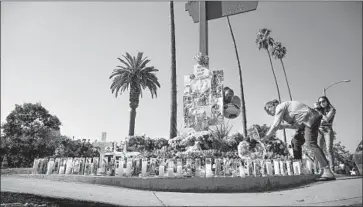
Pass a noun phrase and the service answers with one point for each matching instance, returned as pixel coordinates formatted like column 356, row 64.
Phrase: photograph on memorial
column 203, row 100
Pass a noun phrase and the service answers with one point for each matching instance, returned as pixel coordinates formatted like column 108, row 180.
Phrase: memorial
column 206, row 102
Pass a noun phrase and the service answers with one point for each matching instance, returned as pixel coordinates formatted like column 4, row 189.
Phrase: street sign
column 218, row 9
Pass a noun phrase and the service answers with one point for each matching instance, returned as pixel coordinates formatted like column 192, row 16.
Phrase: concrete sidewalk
column 344, row 191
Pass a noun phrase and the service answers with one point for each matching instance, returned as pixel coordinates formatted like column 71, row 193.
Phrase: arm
column 329, row 115
column 277, row 121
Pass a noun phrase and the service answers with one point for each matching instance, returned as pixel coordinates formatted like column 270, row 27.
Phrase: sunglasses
column 323, row 101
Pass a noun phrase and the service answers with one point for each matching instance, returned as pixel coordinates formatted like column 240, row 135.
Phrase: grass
column 12, row 198
column 9, row 171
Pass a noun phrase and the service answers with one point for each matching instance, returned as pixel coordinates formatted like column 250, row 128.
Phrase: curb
column 197, row 185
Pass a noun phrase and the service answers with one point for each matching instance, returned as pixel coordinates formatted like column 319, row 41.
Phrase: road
column 344, row 191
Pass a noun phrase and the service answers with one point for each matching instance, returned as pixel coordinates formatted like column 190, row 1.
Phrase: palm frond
column 278, row 50
column 124, row 62
column 134, row 74
column 144, row 62
column 139, row 59
column 130, row 59
column 263, row 39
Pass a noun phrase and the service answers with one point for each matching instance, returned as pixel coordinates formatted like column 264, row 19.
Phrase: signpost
column 202, row 11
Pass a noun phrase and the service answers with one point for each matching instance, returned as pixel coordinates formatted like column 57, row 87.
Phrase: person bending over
column 298, row 115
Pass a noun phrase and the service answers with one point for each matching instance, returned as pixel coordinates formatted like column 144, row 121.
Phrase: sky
column 62, row 54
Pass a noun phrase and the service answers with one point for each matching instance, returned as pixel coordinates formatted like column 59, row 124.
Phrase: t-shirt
column 329, row 115
column 294, row 113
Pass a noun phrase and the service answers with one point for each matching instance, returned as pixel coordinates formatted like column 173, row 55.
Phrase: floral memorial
column 198, row 151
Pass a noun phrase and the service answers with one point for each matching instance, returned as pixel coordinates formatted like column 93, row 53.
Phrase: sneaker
column 327, row 175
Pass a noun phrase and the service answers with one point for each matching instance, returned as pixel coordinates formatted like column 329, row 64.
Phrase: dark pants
column 310, row 135
column 297, row 141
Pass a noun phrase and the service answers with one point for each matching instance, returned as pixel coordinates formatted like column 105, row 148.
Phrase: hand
column 316, row 105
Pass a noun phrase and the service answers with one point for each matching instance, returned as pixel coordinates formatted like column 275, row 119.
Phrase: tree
column 134, row 74
column 279, row 52
column 30, row 131
column 341, row 153
column 173, row 116
column 75, row 148
column 243, row 105
column 264, row 41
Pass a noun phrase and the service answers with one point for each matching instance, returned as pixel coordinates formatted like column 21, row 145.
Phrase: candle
column 218, row 167
column 255, row 169
column 282, row 168
column 170, row 172
column 296, row 168
column 202, row 173
column 309, row 166
column 61, row 170
column 208, row 167
column 242, row 172
column 263, row 168
column 226, row 166
column 179, row 171
column 152, row 166
column 129, row 167
column 189, row 167
column 276, row 167
column 234, row 168
column 144, row 167
column 269, row 168
column 288, row 166
column 50, row 167
column 179, row 167
column 120, row 169
column 161, row 171
column 197, row 167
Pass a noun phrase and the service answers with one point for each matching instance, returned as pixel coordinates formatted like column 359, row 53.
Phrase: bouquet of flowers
column 201, row 59
column 275, row 148
column 253, row 149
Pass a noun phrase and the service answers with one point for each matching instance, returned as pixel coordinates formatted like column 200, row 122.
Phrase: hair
column 327, row 106
column 269, row 104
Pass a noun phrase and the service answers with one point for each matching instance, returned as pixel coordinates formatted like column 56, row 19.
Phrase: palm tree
column 134, row 74
column 173, row 116
column 279, row 52
column 264, row 41
column 243, row 106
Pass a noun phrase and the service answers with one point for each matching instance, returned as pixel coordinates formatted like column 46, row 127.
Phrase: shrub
column 160, row 143
column 136, row 143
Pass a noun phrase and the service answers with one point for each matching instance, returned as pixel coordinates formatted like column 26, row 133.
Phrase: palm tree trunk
column 273, row 72
column 134, row 103
column 288, row 86
column 132, row 122
column 243, row 106
column 277, row 86
column 173, row 116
